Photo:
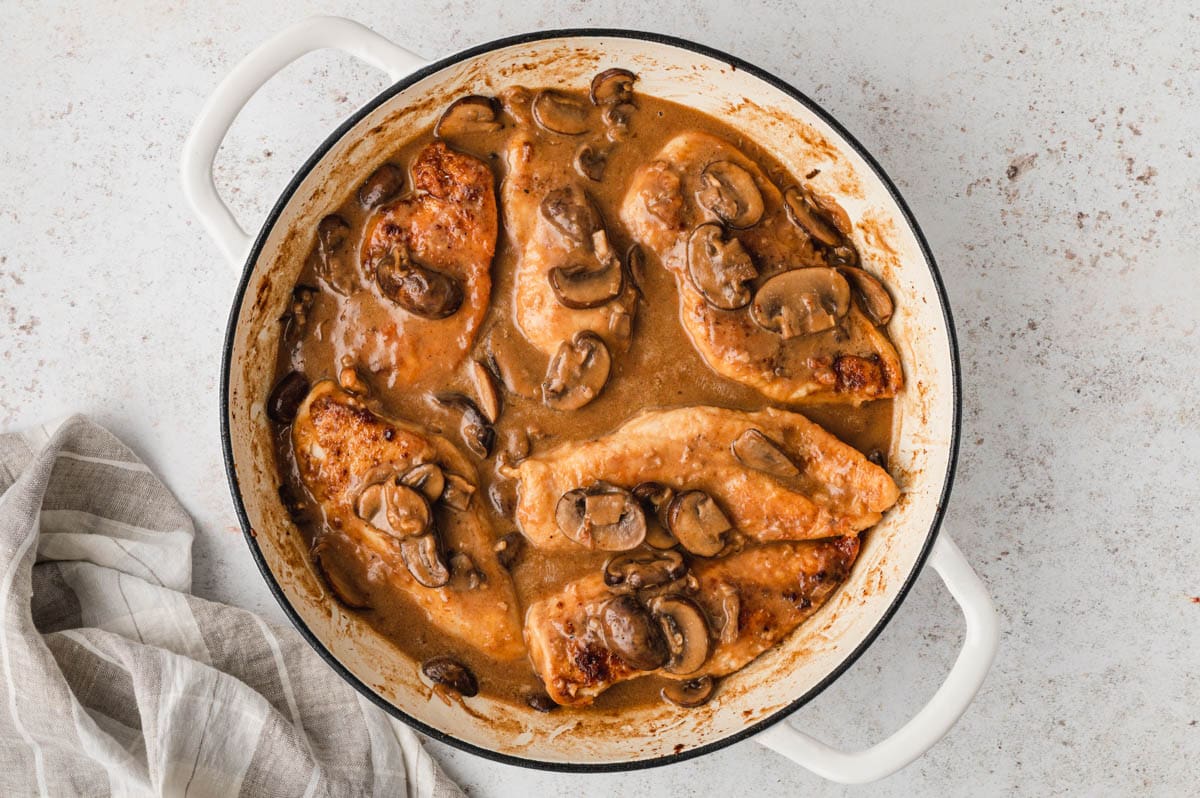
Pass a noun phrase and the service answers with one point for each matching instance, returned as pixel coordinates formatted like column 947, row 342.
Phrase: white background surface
column 1049, row 151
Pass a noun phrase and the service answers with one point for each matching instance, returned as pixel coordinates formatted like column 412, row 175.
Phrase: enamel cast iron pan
column 755, row 702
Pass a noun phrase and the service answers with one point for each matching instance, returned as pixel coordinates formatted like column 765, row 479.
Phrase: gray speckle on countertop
column 1048, row 150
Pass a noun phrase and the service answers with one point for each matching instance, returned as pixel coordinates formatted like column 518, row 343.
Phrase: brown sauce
column 661, row 369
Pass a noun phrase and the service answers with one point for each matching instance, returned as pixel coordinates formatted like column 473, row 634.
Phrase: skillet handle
column 232, row 94
column 935, row 718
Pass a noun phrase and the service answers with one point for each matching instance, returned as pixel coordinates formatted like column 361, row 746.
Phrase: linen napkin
column 116, row 681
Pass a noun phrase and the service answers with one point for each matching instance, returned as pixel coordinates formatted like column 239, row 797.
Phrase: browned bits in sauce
column 507, row 399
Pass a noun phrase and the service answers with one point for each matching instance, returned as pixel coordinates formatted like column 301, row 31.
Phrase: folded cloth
column 116, row 681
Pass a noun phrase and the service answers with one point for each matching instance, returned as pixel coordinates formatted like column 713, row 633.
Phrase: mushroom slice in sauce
column 755, row 450
column 612, row 87
column 586, row 286
column 801, row 302
column 729, row 191
column 336, row 268
column 477, row 433
column 451, row 673
column 485, row 391
column 590, row 162
column 689, row 694
column 394, row 509
column 641, row 569
column 284, row 401
column 698, row 523
column 805, row 212
column 426, row 478
column 458, row 492
column 577, row 372
column 383, row 184
column 559, row 113
column 420, row 290
column 632, row 634
column 720, row 269
column 602, row 517
column 656, row 498
column 424, row 561
column 685, row 631
column 872, row 297
column 471, row 114
column 572, row 213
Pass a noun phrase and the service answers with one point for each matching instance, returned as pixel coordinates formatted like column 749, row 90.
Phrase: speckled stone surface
column 1048, row 150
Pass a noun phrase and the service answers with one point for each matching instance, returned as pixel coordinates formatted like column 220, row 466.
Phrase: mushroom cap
column 696, row 520
column 590, row 162
column 689, row 694
column 559, row 113
column 872, row 297
column 588, row 285
column 602, row 517
column 426, row 478
column 451, row 673
column 632, row 634
column 424, row 560
column 755, row 450
column 477, row 433
column 571, row 211
column 801, row 301
column 806, row 212
column 612, row 86
column 729, row 191
column 471, row 114
column 418, row 289
column 720, row 269
column 577, row 372
column 382, row 185
column 685, row 630
column 285, row 398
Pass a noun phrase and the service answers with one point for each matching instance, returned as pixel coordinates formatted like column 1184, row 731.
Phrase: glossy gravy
column 660, row 369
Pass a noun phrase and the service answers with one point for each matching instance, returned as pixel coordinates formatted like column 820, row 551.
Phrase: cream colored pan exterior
column 753, row 701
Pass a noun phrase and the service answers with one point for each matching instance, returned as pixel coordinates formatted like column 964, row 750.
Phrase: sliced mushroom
column 635, row 266
column 395, row 509
column 729, row 191
column 485, row 390
column 590, row 162
column 801, row 302
column 612, row 86
column 458, row 493
column 418, row 289
column 696, row 520
column 428, row 479
column 572, row 212
column 336, row 267
column 424, row 561
column 502, row 494
column 632, row 634
column 872, row 297
column 602, row 517
column 616, row 120
column 508, row 549
column 477, row 433
column 577, row 372
column 559, row 113
column 805, row 212
column 471, row 114
column 720, row 269
column 284, row 401
column 641, row 569
column 731, row 611
column 842, row 255
column 685, row 632
column 689, row 694
column 541, row 702
column 656, row 498
column 383, row 184
column 587, row 285
column 755, row 450
column 451, row 673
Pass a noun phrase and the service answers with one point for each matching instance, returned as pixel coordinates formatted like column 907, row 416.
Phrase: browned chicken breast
column 712, row 622
column 426, row 257
column 401, row 516
column 770, row 291
column 772, row 474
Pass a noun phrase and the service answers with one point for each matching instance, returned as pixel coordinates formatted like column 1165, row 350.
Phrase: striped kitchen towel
column 116, row 681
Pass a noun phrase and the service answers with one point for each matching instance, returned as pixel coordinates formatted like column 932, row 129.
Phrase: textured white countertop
column 1049, row 152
